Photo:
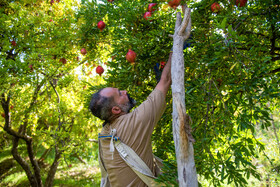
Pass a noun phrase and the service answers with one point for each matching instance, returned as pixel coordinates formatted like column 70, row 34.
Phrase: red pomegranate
column 30, row 67
column 162, row 64
column 147, row 15
column 130, row 56
column 63, row 60
column 13, row 43
column 151, row 7
column 101, row 25
column 83, row 51
column 174, row 3
column 99, row 70
column 240, row 3
column 215, row 7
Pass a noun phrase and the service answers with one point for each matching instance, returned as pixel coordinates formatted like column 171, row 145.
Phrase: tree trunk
column 52, row 171
column 31, row 177
column 184, row 148
column 35, row 176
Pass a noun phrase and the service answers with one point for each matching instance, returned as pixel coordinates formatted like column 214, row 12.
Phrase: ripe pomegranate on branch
column 147, row 15
column 101, row 25
column 151, row 7
column 83, row 51
column 63, row 60
column 239, row 3
column 99, row 70
column 215, row 7
column 174, row 3
column 13, row 43
column 130, row 56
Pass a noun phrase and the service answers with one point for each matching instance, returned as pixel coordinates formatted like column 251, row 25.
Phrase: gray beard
column 129, row 105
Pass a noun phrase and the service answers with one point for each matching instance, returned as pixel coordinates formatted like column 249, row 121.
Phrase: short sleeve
column 146, row 115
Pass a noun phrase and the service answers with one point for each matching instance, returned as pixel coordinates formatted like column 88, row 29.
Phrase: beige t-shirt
column 135, row 130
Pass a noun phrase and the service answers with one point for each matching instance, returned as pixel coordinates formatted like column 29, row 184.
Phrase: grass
column 79, row 174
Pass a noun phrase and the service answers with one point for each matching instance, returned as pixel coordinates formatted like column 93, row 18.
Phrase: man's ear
column 116, row 110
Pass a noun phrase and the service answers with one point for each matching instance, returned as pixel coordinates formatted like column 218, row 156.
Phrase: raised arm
column 165, row 80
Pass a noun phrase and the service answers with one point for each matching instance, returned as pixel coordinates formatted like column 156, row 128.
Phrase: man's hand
column 165, row 79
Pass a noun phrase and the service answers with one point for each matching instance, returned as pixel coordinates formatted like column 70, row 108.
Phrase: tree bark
column 181, row 127
column 52, row 171
column 34, row 178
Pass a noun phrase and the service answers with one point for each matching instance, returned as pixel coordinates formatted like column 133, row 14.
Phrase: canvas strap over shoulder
column 104, row 175
column 136, row 164
column 133, row 161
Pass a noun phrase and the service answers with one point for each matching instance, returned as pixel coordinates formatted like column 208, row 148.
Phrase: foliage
column 232, row 73
column 42, row 88
column 231, row 76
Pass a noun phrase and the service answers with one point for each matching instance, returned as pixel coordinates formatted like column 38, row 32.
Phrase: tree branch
column 7, row 127
column 23, row 163
column 35, row 180
column 274, row 71
column 185, row 28
column 52, row 171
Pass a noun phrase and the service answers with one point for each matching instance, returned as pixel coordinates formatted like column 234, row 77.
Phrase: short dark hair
column 101, row 106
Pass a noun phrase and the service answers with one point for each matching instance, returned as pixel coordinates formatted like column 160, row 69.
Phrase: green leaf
column 224, row 22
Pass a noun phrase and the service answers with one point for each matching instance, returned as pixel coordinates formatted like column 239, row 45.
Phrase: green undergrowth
column 78, row 174
column 267, row 162
column 69, row 174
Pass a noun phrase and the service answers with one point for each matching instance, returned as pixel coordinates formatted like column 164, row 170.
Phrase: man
column 133, row 128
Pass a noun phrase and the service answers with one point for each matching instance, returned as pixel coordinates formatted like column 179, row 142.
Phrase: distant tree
column 42, row 96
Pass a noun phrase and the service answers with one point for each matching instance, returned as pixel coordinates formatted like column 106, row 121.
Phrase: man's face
column 121, row 98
